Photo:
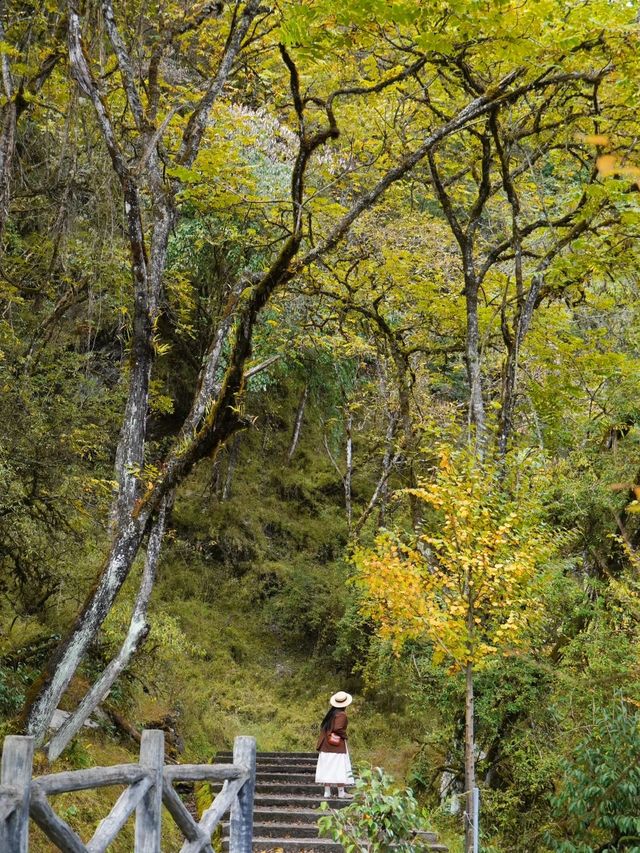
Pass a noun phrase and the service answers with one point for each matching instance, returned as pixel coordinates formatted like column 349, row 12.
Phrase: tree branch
column 198, row 120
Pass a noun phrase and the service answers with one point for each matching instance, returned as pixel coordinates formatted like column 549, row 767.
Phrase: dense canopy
column 320, row 351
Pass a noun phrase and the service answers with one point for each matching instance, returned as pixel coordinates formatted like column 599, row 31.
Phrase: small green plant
column 382, row 817
column 598, row 805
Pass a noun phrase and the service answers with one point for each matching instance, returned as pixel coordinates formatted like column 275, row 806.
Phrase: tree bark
column 8, row 120
column 231, row 465
column 136, row 635
column 474, row 368
column 389, row 460
column 469, row 757
column 348, row 476
column 297, row 427
column 62, row 666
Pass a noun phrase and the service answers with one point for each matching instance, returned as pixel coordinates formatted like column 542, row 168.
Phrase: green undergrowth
column 249, row 633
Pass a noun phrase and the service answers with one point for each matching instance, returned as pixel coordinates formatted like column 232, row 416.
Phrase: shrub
column 598, row 805
column 382, row 817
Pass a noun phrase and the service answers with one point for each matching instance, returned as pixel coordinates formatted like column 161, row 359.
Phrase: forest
column 320, row 370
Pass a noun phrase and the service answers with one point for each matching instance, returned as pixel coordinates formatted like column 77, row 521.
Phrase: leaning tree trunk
column 129, row 521
column 63, row 665
column 7, row 148
column 405, row 387
column 136, row 635
column 348, row 476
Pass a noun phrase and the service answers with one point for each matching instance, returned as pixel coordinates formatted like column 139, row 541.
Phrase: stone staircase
column 286, row 806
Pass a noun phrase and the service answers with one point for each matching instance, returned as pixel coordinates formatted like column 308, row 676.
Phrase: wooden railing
column 149, row 786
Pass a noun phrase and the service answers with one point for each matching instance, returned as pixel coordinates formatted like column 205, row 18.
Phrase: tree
column 168, row 158
column 472, row 586
column 164, row 154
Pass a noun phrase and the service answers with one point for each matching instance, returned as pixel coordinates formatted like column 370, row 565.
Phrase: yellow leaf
column 596, row 139
column 607, row 164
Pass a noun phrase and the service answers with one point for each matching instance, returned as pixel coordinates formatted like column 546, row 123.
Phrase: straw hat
column 341, row 699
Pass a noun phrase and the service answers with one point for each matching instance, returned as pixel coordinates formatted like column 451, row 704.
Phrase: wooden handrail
column 94, row 777
column 148, row 784
column 202, row 772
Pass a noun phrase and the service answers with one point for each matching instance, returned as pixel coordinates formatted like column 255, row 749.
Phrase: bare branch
column 124, row 64
column 197, row 122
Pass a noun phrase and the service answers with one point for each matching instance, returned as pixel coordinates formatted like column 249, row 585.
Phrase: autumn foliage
column 473, row 582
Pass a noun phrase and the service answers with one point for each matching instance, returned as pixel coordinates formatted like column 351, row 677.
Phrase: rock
column 60, row 717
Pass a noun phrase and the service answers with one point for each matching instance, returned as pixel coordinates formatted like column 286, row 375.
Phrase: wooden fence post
column 149, row 811
column 17, row 764
column 241, row 825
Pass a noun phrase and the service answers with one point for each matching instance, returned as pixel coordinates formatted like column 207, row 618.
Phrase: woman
column 334, row 766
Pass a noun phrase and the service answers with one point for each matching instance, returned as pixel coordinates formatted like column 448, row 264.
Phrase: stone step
column 286, row 806
column 303, row 762
column 290, row 801
column 282, row 787
column 261, row 756
column 287, row 768
column 300, row 831
column 288, row 777
column 283, row 769
column 310, row 845
column 276, row 814
column 288, row 829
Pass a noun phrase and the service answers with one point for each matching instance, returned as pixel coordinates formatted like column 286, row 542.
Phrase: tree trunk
column 231, row 465
column 404, row 401
column 474, row 373
column 469, row 758
column 389, row 460
column 62, row 666
column 136, row 635
column 523, row 321
column 8, row 118
column 348, row 477
column 297, row 428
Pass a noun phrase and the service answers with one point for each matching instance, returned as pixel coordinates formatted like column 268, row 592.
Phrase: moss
column 245, row 620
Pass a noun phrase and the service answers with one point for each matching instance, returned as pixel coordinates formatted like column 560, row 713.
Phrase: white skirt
column 334, row 768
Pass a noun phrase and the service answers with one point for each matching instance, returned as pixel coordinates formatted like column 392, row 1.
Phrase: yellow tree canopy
column 473, row 582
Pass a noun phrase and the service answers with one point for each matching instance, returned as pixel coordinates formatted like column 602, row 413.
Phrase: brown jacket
column 339, row 726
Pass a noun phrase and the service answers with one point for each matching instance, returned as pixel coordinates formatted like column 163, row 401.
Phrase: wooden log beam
column 53, row 827
column 10, row 799
column 15, row 775
column 216, row 811
column 94, row 777
column 202, row 772
column 183, row 819
column 124, row 806
column 149, row 811
column 241, row 825
column 221, row 805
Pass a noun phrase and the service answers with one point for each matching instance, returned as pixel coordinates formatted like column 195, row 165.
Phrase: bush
column 598, row 806
column 382, row 817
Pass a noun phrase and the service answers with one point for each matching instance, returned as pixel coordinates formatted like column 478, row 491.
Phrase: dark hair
column 325, row 725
